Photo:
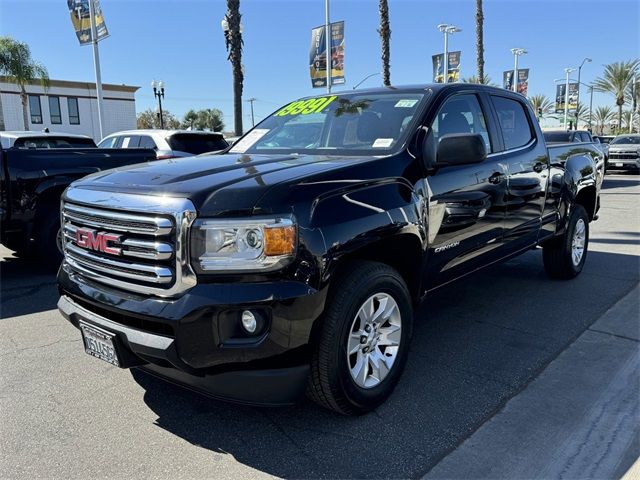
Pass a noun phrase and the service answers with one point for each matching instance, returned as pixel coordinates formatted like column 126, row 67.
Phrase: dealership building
column 69, row 107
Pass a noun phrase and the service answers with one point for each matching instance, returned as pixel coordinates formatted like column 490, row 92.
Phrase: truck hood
column 217, row 184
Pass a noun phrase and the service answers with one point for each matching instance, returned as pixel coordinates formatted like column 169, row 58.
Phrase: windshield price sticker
column 248, row 140
column 405, row 103
column 305, row 107
column 382, row 142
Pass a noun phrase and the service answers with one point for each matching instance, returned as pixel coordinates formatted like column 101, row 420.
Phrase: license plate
column 618, row 164
column 99, row 344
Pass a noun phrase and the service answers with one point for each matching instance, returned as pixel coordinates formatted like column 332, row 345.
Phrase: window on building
column 35, row 109
column 54, row 110
column 74, row 113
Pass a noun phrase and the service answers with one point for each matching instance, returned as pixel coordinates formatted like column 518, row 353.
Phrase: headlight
column 242, row 244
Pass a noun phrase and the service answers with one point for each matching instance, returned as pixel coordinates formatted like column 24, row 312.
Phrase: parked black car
column 293, row 261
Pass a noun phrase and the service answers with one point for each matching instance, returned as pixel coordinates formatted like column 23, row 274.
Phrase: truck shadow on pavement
column 25, row 287
column 476, row 343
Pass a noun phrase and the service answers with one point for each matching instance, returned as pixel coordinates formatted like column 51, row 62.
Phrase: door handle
column 496, row 178
column 539, row 167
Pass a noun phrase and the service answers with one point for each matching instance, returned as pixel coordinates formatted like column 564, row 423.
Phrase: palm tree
column 617, row 79
column 542, row 106
column 581, row 113
column 233, row 38
column 601, row 116
column 627, row 119
column 480, row 41
column 385, row 39
column 19, row 68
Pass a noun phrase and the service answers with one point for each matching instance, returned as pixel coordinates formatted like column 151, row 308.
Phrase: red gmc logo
column 98, row 241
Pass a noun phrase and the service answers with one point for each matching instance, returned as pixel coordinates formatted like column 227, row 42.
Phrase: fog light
column 249, row 321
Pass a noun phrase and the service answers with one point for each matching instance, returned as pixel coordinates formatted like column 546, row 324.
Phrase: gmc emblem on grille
column 99, row 241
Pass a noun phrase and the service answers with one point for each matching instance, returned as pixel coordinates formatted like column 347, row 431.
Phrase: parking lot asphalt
column 477, row 344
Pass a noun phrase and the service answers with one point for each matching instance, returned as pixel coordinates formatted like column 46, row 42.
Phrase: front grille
column 623, row 155
column 132, row 242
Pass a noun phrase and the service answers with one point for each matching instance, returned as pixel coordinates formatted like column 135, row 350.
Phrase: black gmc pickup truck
column 32, row 180
column 292, row 262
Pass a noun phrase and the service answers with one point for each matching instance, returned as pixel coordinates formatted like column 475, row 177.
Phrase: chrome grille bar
column 134, row 271
column 121, row 222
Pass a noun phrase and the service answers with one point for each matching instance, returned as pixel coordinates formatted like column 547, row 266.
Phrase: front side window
column 346, row 124
column 460, row 114
column 515, row 126
column 35, row 109
column 109, row 142
column 54, row 110
column 74, row 113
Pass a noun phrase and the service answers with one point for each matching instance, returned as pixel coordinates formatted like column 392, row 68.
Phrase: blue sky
column 181, row 42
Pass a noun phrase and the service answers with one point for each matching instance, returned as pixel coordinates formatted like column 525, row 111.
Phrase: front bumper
column 186, row 340
column 615, row 163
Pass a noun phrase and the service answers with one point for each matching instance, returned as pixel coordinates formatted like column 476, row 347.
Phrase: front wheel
column 364, row 340
column 564, row 257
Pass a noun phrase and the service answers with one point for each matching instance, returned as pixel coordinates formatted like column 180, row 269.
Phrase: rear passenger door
column 527, row 162
column 466, row 202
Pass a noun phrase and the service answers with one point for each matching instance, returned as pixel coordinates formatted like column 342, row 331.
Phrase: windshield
column 626, row 140
column 197, row 143
column 350, row 124
column 53, row 142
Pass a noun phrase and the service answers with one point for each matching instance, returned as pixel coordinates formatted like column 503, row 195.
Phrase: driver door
column 466, row 204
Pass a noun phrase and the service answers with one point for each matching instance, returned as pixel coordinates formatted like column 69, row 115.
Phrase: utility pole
column 567, row 71
column 590, row 104
column 516, row 53
column 578, row 97
column 327, row 37
column 96, row 64
column 253, row 122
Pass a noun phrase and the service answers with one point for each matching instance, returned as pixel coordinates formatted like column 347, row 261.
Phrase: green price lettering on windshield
column 305, row 107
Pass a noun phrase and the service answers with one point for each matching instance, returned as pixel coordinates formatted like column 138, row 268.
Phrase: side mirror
column 460, row 149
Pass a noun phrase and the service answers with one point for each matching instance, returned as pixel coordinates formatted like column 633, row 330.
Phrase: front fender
column 369, row 216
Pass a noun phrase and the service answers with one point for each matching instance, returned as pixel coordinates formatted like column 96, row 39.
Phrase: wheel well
column 402, row 253
column 587, row 198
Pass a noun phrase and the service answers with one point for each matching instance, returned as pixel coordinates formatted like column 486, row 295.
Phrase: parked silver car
column 624, row 152
column 167, row 143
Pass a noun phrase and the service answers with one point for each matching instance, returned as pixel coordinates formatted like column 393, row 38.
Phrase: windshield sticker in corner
column 382, row 142
column 405, row 103
column 246, row 142
column 305, row 107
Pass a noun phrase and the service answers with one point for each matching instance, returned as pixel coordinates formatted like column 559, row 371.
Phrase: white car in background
column 167, row 143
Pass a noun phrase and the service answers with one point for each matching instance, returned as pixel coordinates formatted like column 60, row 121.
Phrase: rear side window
column 514, row 123
column 53, row 142
column 147, row 142
column 196, row 143
column 130, row 141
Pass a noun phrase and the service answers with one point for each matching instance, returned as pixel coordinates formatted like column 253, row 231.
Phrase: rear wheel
column 564, row 257
column 364, row 340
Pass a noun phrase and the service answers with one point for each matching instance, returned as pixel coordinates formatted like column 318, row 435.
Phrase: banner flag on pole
column 318, row 57
column 523, row 80
column 80, row 18
column 454, row 67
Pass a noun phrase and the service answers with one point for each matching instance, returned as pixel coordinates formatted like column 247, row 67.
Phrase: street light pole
column 96, row 64
column 327, row 37
column 447, row 30
column 590, row 104
column 365, row 79
column 516, row 53
column 253, row 122
column 567, row 71
column 158, row 92
column 587, row 59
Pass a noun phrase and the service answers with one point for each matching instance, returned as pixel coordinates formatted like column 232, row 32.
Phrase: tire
column 332, row 383
column 48, row 239
column 561, row 259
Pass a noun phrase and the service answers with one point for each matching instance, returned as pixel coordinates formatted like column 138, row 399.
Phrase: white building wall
column 119, row 108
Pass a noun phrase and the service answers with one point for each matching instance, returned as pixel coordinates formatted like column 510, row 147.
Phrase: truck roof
column 436, row 87
column 36, row 133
